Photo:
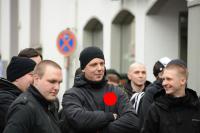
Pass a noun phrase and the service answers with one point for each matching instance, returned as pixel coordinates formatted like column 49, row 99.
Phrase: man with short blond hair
column 176, row 108
column 34, row 111
column 155, row 87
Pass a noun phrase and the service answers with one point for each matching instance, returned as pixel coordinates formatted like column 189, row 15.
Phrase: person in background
column 137, row 79
column 123, row 79
column 19, row 76
column 32, row 111
column 113, row 77
column 94, row 106
column 136, row 86
column 153, row 88
column 32, row 54
column 176, row 108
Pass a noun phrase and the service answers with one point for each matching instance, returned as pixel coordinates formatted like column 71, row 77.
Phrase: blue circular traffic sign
column 66, row 42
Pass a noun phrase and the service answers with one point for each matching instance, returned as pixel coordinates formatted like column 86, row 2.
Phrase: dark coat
column 173, row 115
column 147, row 100
column 129, row 90
column 8, row 93
column 31, row 113
column 86, row 112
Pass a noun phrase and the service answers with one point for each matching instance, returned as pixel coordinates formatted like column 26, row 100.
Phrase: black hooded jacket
column 32, row 113
column 86, row 112
column 8, row 93
column 129, row 90
column 147, row 100
column 173, row 115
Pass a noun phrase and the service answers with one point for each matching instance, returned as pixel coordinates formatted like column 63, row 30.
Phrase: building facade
column 126, row 30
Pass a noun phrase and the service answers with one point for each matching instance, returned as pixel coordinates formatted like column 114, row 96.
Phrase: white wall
column 24, row 24
column 104, row 10
column 56, row 16
column 5, row 29
column 155, row 36
column 193, row 45
column 162, row 34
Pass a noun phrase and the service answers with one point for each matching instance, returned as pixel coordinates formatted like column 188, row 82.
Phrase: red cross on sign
column 66, row 42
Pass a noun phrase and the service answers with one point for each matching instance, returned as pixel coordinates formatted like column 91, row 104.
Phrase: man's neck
column 137, row 88
column 18, row 85
column 180, row 93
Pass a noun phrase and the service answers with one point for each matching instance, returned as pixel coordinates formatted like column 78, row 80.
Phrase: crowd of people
column 97, row 102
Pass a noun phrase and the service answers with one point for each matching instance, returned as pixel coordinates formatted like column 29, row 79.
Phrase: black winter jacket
column 86, row 112
column 8, row 93
column 147, row 100
column 31, row 113
column 173, row 115
column 129, row 90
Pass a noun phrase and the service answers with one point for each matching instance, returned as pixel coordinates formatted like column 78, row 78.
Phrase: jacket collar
column 10, row 87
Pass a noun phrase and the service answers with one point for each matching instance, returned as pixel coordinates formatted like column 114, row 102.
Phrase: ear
column 183, row 81
column 36, row 77
column 83, row 70
column 129, row 75
column 16, row 80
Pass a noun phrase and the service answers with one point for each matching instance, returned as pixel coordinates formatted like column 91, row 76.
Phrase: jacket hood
column 79, row 80
column 166, row 101
column 9, row 87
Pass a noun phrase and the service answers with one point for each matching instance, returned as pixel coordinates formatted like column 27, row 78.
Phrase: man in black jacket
column 19, row 77
column 153, row 88
column 176, row 108
column 94, row 106
column 33, row 111
column 136, row 86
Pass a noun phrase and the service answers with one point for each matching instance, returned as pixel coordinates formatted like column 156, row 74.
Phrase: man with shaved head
column 137, row 79
column 136, row 85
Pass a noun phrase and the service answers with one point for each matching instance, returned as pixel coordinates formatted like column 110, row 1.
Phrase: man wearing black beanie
column 88, row 54
column 19, row 77
column 92, row 105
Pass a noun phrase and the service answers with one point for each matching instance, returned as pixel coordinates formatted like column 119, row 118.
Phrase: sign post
column 66, row 44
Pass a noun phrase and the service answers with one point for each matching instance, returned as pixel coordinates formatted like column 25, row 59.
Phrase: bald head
column 137, row 76
column 135, row 66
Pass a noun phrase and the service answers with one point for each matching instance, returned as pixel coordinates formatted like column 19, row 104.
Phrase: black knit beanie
column 18, row 67
column 88, row 54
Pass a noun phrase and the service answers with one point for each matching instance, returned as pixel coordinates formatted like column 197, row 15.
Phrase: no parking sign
column 66, row 42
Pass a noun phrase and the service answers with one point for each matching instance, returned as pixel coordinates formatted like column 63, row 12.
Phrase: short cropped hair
column 180, row 65
column 133, row 65
column 40, row 68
